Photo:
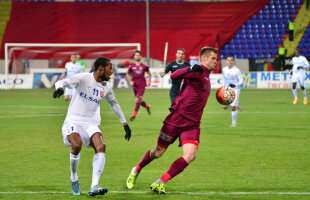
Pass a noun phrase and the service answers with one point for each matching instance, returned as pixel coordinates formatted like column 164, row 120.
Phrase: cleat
column 305, row 101
column 97, row 190
column 132, row 118
column 131, row 180
column 295, row 101
column 75, row 188
column 149, row 110
column 234, row 124
column 158, row 188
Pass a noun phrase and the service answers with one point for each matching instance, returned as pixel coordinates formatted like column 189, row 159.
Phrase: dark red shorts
column 138, row 92
column 169, row 133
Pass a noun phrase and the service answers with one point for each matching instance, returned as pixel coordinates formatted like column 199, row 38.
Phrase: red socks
column 177, row 167
column 144, row 161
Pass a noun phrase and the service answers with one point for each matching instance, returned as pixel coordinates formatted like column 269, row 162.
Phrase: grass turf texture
column 267, row 152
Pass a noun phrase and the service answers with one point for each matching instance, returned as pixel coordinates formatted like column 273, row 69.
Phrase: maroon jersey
column 137, row 74
column 193, row 96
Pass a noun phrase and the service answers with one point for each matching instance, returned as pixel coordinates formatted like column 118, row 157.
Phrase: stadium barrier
column 46, row 79
column 16, row 81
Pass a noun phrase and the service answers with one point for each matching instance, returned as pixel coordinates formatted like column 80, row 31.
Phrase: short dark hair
column 101, row 61
column 231, row 56
column 206, row 51
column 138, row 51
column 181, row 49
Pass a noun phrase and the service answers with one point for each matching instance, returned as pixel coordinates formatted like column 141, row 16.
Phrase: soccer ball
column 225, row 95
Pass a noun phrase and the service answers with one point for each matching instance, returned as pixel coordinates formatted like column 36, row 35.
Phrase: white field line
column 26, row 116
column 16, row 115
column 175, row 192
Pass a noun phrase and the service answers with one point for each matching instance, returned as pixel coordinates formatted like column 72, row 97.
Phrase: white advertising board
column 16, row 81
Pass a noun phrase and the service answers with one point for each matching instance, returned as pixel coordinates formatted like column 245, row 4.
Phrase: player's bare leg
column 98, row 164
column 76, row 143
column 67, row 97
column 226, row 107
column 189, row 155
column 294, row 93
column 148, row 157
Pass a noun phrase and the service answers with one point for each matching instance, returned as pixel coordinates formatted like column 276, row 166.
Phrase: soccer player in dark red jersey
column 183, row 121
column 138, row 82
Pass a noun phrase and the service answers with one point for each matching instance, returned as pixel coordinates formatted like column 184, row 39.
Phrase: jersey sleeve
column 306, row 63
column 81, row 68
column 66, row 67
column 184, row 74
column 129, row 70
column 113, row 103
column 168, row 68
column 147, row 69
column 240, row 79
column 69, row 83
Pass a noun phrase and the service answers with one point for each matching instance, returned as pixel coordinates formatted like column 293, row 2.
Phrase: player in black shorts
column 179, row 63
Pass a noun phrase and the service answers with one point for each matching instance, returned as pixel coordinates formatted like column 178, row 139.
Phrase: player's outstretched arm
column 113, row 103
column 196, row 68
column 187, row 73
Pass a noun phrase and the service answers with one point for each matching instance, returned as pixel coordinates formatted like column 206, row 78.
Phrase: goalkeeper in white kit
column 82, row 123
column 233, row 78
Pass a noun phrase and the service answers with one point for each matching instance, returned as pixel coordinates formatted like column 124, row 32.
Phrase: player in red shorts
column 138, row 82
column 183, row 122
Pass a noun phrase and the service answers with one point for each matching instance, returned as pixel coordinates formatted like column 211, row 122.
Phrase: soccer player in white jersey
column 82, row 123
column 298, row 75
column 71, row 69
column 233, row 78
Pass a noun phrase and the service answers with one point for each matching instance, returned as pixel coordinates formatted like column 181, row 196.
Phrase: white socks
column 74, row 163
column 98, row 166
column 304, row 93
column 234, row 116
column 295, row 93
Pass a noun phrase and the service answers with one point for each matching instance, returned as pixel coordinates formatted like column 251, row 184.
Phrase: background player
column 298, row 70
column 71, row 69
column 82, row 123
column 79, row 60
column 233, row 78
column 138, row 83
column 179, row 63
column 183, row 122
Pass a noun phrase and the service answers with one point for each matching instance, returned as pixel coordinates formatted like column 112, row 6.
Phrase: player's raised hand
column 196, row 68
column 58, row 93
column 128, row 132
column 232, row 85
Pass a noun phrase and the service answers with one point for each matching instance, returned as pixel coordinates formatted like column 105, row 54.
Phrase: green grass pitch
column 267, row 156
